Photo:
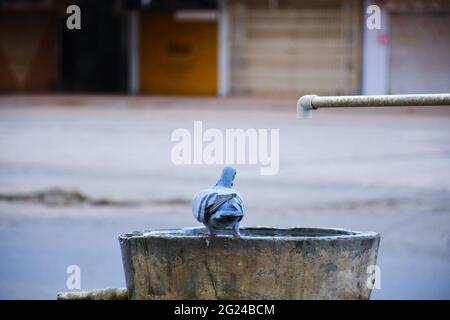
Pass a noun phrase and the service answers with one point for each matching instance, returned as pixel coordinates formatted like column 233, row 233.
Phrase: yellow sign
column 177, row 57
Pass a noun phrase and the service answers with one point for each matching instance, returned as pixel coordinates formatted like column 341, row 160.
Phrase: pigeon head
column 227, row 177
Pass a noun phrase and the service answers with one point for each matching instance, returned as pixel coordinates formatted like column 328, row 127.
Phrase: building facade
column 226, row 47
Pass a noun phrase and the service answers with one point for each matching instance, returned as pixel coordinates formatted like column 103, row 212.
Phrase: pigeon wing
column 238, row 203
column 201, row 202
column 219, row 201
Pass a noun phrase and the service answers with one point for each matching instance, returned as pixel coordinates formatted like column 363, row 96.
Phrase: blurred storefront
column 410, row 52
column 225, row 47
column 183, row 58
column 28, row 47
column 420, row 46
column 251, row 47
column 292, row 47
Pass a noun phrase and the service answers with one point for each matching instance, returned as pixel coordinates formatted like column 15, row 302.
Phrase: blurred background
column 86, row 117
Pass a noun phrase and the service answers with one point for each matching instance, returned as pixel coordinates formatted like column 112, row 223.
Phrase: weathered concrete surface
column 96, row 294
column 264, row 263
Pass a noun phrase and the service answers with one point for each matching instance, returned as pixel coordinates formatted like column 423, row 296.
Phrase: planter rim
column 259, row 233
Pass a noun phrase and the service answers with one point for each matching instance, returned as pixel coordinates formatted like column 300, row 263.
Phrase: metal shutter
column 293, row 47
column 420, row 53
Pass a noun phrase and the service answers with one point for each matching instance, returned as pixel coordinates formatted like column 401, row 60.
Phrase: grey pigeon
column 221, row 206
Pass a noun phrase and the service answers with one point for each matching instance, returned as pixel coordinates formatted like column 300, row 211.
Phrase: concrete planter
column 265, row 263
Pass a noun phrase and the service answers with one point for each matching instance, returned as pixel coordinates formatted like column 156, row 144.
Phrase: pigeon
column 221, row 206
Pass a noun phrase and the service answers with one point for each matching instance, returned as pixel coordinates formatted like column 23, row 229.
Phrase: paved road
column 379, row 170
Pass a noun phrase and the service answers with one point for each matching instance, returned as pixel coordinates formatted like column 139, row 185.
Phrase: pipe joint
column 305, row 106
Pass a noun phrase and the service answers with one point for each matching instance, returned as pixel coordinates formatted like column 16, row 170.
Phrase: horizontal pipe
column 381, row 100
column 311, row 102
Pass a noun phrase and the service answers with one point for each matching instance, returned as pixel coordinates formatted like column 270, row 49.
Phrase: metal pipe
column 307, row 103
